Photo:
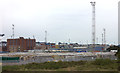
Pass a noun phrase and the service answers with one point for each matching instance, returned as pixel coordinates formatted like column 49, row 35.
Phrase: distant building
column 20, row 44
column 43, row 45
column 52, row 45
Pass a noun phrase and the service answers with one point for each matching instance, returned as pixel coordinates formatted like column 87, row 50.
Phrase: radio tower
column 93, row 22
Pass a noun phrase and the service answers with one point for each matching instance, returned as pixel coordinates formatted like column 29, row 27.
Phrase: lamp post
column 2, row 35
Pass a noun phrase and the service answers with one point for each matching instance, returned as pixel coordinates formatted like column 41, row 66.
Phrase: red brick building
column 20, row 44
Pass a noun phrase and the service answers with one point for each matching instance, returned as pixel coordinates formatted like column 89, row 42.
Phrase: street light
column 2, row 35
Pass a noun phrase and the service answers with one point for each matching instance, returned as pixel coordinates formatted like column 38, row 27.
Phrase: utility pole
column 93, row 22
column 13, row 35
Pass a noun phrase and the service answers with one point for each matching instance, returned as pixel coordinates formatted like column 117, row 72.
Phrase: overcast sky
column 63, row 19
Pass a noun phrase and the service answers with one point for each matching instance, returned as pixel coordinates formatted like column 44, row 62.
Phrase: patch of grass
column 97, row 65
column 102, row 62
column 10, row 68
column 53, row 65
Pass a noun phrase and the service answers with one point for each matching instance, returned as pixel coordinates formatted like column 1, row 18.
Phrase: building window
column 11, row 42
column 28, row 42
column 16, row 42
column 31, row 43
column 22, row 42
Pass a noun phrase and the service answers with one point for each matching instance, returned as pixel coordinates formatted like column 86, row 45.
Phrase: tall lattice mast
column 104, row 36
column 45, row 36
column 13, row 30
column 13, row 35
column 46, row 39
column 93, row 22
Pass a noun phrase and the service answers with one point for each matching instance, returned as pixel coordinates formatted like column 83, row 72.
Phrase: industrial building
column 20, row 44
